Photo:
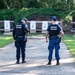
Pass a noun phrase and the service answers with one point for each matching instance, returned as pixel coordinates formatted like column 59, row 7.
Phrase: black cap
column 54, row 18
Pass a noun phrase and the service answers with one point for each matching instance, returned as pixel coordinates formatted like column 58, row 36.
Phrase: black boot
column 17, row 62
column 57, row 62
column 49, row 63
column 23, row 61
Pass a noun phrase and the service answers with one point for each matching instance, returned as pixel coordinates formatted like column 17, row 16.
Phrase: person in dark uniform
column 25, row 23
column 53, row 31
column 19, row 32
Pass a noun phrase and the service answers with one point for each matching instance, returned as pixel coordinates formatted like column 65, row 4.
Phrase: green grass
column 69, row 40
column 4, row 40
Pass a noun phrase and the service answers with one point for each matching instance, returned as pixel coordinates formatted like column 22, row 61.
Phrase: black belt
column 21, row 36
column 53, row 37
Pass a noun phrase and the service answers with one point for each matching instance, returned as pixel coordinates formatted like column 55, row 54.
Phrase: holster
column 58, row 41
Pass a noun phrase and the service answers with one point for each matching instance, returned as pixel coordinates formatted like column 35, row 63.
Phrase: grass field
column 69, row 40
column 4, row 40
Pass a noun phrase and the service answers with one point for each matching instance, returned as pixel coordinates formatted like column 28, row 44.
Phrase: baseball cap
column 54, row 18
column 24, row 19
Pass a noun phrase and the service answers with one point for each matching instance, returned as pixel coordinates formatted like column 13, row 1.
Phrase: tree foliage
column 60, row 4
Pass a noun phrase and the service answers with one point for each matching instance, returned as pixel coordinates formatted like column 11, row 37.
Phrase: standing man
column 19, row 32
column 53, row 31
column 25, row 23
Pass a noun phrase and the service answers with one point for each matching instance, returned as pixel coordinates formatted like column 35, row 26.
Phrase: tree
column 69, row 4
column 54, row 4
column 6, row 4
column 2, row 4
column 12, row 3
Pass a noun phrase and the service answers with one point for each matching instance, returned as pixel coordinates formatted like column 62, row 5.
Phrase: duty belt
column 20, row 36
column 53, row 37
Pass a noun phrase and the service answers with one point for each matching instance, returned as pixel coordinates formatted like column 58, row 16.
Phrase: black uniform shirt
column 19, row 30
column 53, row 30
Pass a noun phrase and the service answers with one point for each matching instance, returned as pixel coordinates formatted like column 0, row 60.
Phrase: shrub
column 17, row 14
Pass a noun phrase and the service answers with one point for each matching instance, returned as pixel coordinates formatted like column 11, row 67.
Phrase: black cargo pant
column 20, row 45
